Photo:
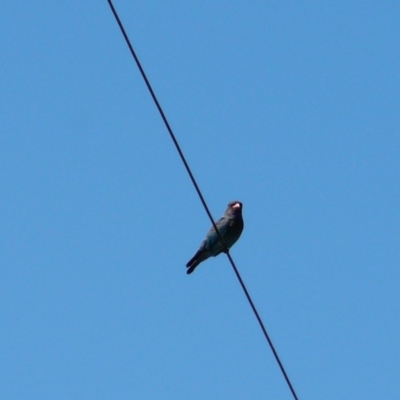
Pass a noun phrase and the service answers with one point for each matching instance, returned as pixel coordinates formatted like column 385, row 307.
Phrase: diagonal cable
column 172, row 135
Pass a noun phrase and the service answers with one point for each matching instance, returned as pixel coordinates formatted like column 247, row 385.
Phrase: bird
column 230, row 226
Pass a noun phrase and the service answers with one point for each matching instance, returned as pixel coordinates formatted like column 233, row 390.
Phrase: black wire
column 201, row 197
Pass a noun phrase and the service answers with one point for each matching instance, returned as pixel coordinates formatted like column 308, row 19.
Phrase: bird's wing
column 212, row 239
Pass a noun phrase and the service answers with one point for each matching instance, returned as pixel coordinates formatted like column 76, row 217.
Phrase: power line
column 172, row 135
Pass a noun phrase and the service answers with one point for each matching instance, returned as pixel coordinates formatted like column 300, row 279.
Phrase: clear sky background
column 291, row 107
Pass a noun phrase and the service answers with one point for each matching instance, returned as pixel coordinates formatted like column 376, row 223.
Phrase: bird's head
column 234, row 207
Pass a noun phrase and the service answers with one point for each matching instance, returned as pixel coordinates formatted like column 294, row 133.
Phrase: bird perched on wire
column 230, row 226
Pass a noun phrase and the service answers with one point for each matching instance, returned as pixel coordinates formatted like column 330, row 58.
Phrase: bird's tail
column 195, row 261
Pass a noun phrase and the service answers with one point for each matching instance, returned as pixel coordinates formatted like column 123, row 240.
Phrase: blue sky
column 290, row 107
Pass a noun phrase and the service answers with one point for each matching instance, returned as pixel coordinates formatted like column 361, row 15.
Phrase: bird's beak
column 236, row 205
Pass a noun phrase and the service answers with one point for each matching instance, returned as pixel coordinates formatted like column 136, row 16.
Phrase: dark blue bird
column 230, row 226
